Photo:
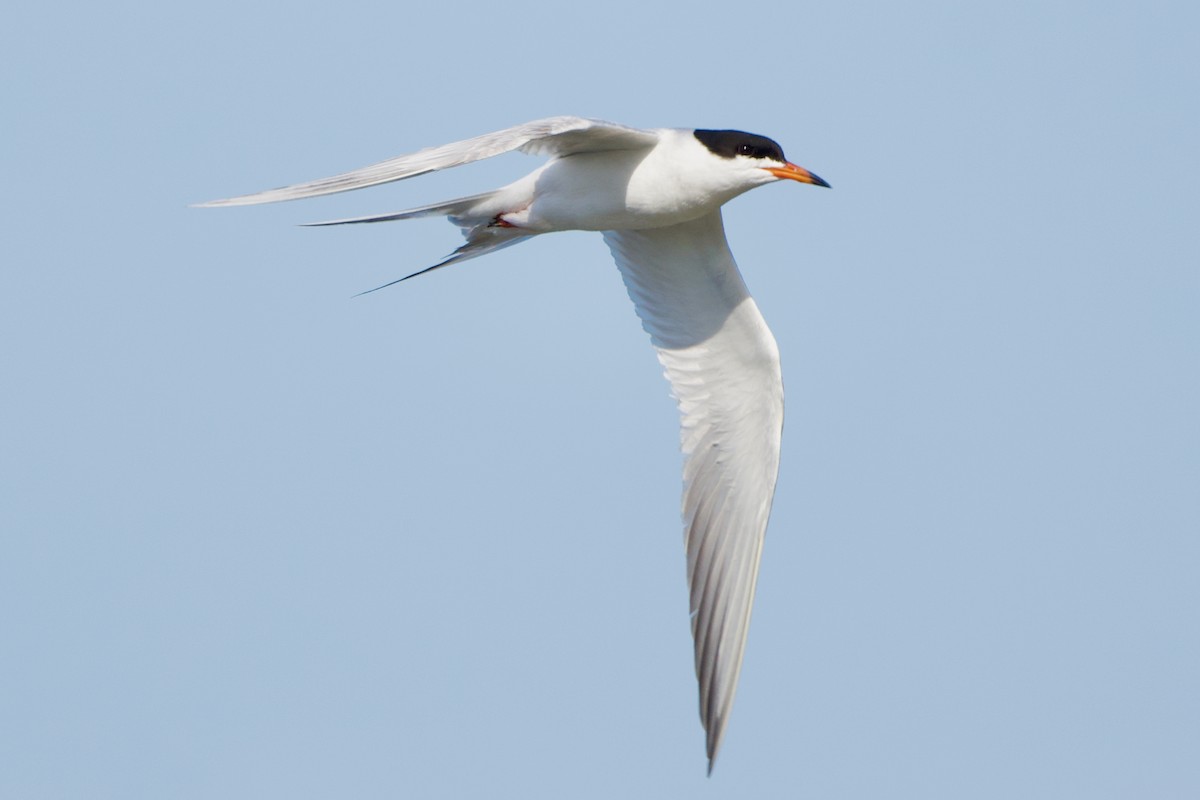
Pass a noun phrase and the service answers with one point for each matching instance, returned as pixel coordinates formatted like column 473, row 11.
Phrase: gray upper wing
column 554, row 136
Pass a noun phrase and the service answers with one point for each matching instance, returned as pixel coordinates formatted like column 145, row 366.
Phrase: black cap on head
column 728, row 144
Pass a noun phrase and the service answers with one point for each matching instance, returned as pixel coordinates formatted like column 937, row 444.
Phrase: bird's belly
column 609, row 191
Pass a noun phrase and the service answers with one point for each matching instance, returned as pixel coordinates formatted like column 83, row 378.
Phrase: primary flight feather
column 656, row 196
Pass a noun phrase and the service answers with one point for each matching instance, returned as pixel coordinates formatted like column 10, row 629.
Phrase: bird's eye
column 746, row 150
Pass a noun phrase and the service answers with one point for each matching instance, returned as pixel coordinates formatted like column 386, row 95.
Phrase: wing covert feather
column 723, row 366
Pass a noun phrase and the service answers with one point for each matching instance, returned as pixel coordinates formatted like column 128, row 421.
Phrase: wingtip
column 226, row 201
column 256, row 199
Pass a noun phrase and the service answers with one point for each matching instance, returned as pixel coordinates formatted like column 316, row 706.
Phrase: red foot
column 500, row 222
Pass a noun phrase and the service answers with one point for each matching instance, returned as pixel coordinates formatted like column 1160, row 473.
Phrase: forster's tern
column 656, row 195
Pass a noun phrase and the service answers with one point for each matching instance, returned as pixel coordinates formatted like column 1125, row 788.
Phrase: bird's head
column 760, row 159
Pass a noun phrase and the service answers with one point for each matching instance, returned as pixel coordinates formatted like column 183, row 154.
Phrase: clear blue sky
column 261, row 539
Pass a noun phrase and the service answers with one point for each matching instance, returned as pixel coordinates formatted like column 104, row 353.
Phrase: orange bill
column 792, row 172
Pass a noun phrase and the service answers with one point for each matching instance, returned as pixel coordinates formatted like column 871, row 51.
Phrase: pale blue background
column 261, row 539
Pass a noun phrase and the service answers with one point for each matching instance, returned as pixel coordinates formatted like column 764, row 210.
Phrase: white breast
column 676, row 181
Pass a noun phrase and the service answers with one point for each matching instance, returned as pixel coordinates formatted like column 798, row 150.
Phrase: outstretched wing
column 555, row 136
column 723, row 366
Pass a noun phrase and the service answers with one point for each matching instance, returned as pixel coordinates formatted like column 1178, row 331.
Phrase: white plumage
column 656, row 195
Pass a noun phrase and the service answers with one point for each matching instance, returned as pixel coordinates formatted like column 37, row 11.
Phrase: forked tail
column 477, row 216
column 450, row 208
